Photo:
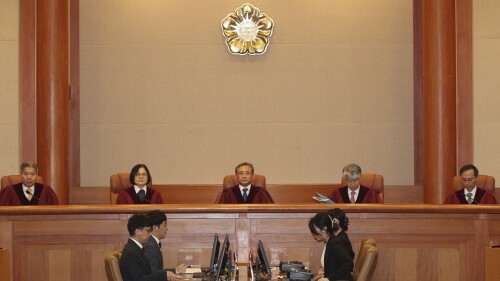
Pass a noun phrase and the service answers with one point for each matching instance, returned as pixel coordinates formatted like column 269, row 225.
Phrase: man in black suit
column 153, row 246
column 134, row 265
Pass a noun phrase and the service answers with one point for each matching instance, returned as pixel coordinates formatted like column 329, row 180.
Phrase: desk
column 4, row 265
column 416, row 242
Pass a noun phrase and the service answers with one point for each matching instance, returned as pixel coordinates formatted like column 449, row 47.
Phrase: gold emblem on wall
column 247, row 30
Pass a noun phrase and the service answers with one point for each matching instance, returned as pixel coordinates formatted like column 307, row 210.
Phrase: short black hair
column 135, row 170
column 137, row 221
column 469, row 167
column 157, row 217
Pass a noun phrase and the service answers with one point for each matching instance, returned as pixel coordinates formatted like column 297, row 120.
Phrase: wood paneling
column 281, row 193
column 52, row 94
column 491, row 268
column 439, row 98
column 416, row 242
column 465, row 96
column 27, row 80
column 4, row 265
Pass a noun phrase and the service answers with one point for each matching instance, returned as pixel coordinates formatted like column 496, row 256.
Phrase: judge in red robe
column 470, row 194
column 28, row 192
column 479, row 197
column 139, row 193
column 353, row 192
column 244, row 192
column 364, row 195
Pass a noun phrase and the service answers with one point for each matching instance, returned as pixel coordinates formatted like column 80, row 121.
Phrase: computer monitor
column 223, row 258
column 261, row 253
column 215, row 252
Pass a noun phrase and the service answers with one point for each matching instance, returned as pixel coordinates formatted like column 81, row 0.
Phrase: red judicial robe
column 128, row 196
column 13, row 195
column 481, row 197
column 366, row 195
column 233, row 195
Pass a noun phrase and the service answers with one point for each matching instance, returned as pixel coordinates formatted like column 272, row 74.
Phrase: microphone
column 37, row 198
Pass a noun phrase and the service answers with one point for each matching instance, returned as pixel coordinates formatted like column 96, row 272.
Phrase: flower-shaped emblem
column 247, row 30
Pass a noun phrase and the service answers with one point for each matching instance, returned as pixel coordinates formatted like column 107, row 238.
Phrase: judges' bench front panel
column 416, row 242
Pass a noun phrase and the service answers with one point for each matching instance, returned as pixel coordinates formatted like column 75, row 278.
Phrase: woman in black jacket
column 337, row 257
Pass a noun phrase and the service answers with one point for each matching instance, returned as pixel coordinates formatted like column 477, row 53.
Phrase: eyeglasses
column 146, row 229
column 244, row 173
column 141, row 175
column 468, row 180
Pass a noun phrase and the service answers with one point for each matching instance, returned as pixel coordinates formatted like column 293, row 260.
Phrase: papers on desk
column 192, row 270
column 322, row 198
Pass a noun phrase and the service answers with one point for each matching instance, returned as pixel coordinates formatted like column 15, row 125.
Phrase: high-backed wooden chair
column 373, row 181
column 232, row 180
column 368, row 264
column 484, row 182
column 361, row 256
column 118, row 183
column 15, row 179
column 112, row 266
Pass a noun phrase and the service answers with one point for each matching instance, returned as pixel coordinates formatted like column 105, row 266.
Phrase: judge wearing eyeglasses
column 244, row 192
column 139, row 192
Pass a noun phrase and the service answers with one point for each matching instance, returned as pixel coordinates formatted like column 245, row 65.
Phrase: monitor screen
column 266, row 269
column 223, row 258
column 215, row 252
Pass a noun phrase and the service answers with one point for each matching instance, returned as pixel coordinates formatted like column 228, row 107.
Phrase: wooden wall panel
column 281, row 193
column 416, row 242
column 4, row 265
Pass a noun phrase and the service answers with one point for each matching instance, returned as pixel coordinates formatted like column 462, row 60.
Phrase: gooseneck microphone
column 37, row 198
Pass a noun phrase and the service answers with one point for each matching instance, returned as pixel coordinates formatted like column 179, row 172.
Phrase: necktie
column 245, row 194
column 469, row 198
column 29, row 192
column 353, row 200
column 141, row 194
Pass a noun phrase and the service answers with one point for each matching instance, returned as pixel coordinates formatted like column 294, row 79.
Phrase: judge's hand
column 171, row 276
column 323, row 279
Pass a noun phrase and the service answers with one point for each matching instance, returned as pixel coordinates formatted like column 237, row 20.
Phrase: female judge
column 139, row 192
column 337, row 257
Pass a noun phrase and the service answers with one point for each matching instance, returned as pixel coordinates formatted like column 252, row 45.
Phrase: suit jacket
column 338, row 262
column 233, row 195
column 134, row 265
column 13, row 195
column 481, row 197
column 366, row 195
column 128, row 196
column 342, row 236
column 154, row 254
